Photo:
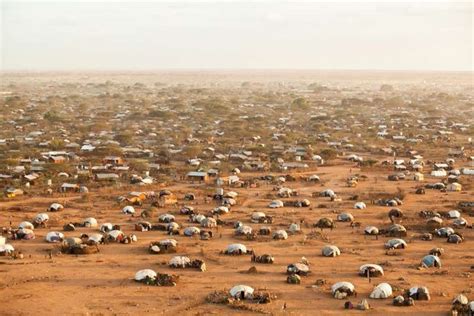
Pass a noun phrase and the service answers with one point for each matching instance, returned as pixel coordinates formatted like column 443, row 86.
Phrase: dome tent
column 383, row 290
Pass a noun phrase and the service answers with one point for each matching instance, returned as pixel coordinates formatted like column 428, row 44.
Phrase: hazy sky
column 152, row 35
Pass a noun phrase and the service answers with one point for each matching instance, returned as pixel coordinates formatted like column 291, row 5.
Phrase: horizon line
column 191, row 69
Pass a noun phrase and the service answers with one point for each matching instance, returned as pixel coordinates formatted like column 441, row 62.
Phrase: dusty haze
column 85, row 35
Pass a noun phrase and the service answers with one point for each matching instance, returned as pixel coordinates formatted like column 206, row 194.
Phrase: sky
column 155, row 35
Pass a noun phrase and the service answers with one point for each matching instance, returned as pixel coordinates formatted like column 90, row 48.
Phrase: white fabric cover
column 142, row 274
column 236, row 290
column 383, row 290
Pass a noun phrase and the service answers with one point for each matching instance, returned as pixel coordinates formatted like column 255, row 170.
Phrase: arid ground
column 103, row 283
column 178, row 117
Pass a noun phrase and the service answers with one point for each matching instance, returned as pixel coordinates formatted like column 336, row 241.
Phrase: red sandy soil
column 102, row 284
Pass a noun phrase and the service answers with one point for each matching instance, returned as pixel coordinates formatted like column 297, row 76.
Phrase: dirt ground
column 102, row 284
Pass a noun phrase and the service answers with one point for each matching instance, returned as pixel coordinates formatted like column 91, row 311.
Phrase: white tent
column 454, row 214
column 243, row 230
column 128, row 210
column 360, row 205
column 54, row 237
column 106, row 227
column 190, row 231
column 26, row 224
column 280, row 234
column 6, row 249
column 234, row 248
column 90, row 222
column 142, row 274
column 41, row 218
column 454, row 187
column 179, row 261
column 370, row 266
column 383, row 290
column 342, row 285
column 331, row 251
column 241, row 291
column 439, row 173
column 257, row 216
column 418, row 176
column 276, row 204
column 395, row 243
column 371, row 230
column 294, row 228
column 55, row 207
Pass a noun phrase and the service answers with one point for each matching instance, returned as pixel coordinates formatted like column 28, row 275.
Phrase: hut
column 454, row 187
column 383, row 290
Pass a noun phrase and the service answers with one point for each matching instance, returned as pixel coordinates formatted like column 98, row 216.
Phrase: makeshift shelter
column 444, row 231
column 54, row 237
column 236, row 249
column 417, row 176
column 298, row 268
column 431, row 261
column 439, row 173
column 371, row 230
column 6, row 249
column 145, row 274
column 360, row 205
column 341, row 290
column 419, row 293
column 345, row 217
column 383, row 290
column 280, row 234
column 55, row 207
column 276, row 204
column 90, row 222
column 198, row 176
column 454, row 187
column 370, row 269
column 330, row 251
column 241, row 292
column 41, row 219
column 396, row 243
column 243, row 230
column 128, row 210
column 191, row 231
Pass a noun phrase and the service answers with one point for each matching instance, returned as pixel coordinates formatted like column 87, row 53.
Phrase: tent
column 145, row 273
column 345, row 217
column 371, row 230
column 383, row 290
column 371, row 269
column 179, row 262
column 25, row 224
column 439, row 173
column 6, row 249
column 90, row 222
column 54, row 237
column 454, row 214
column 331, row 251
column 454, row 187
column 190, row 231
column 241, row 291
column 342, row 287
column 395, row 243
column 128, row 210
column 280, row 234
column 236, row 248
column 360, row 205
column 431, row 261
column 417, row 176
column 276, row 204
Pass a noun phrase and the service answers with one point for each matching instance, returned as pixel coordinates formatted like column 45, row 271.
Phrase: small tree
column 328, row 154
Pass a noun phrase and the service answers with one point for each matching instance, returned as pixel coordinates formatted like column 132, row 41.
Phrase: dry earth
column 102, row 284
